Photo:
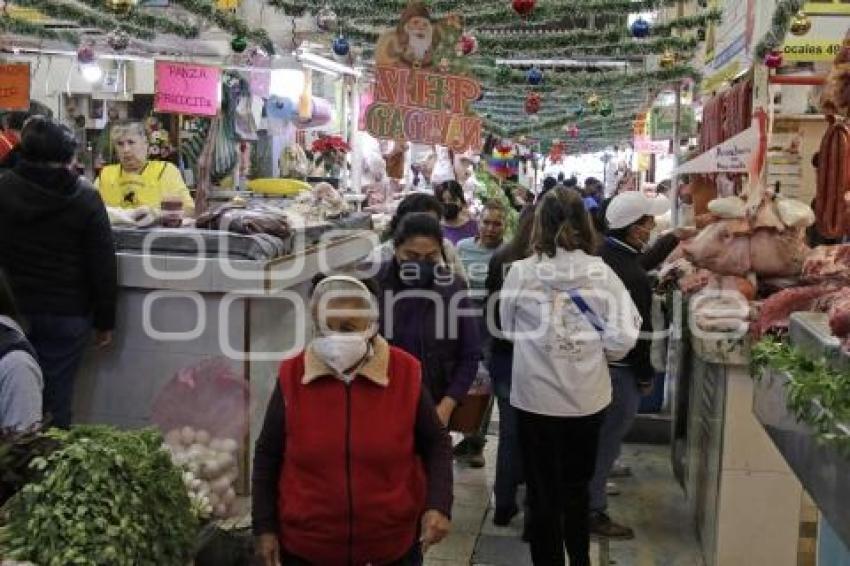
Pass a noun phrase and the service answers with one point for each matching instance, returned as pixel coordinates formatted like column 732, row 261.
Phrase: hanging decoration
column 118, row 40
column 800, row 24
column 238, row 44
column 532, row 103
column 341, row 46
column 640, row 28
column 701, row 34
column 606, row 108
column 535, row 76
column 467, row 45
column 523, row 7
column 326, row 19
column 773, row 60
column 593, row 102
column 504, row 74
column 257, row 57
column 557, row 151
column 85, row 53
column 667, row 60
column 503, row 163
column 779, row 25
column 121, row 6
column 227, row 21
column 579, row 111
column 571, row 130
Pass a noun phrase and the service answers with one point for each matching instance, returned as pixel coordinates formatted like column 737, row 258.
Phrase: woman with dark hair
column 417, row 203
column 457, row 223
column 20, row 377
column 567, row 314
column 509, row 473
column 421, row 314
column 57, row 249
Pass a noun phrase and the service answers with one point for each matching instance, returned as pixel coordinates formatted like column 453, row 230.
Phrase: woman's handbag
column 470, row 412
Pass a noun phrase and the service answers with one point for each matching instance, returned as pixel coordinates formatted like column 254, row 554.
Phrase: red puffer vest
column 352, row 490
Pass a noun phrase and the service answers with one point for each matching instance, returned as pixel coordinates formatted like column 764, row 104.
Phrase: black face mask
column 451, row 211
column 417, row 274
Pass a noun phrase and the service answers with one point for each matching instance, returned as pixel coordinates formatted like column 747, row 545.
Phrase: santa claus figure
column 412, row 42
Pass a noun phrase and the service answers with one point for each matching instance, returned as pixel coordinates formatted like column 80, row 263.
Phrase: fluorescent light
column 320, row 70
column 91, row 72
column 324, row 65
column 286, row 83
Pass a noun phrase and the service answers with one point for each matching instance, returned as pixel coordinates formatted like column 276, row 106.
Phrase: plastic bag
column 203, row 413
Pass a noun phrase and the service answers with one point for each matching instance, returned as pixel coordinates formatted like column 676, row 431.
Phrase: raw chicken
column 777, row 254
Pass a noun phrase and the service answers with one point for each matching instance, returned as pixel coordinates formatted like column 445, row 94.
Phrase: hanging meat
column 833, row 181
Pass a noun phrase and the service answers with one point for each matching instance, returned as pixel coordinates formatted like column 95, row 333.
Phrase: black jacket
column 56, row 244
column 631, row 267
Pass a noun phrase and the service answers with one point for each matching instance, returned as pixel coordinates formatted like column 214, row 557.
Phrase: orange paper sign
column 14, row 86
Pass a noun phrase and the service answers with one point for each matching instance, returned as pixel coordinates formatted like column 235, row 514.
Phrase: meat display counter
column 744, row 499
column 180, row 308
column 823, row 471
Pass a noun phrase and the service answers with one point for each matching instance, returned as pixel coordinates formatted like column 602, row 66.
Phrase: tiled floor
column 651, row 502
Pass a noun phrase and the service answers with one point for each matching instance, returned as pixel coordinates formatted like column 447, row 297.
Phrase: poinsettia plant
column 329, row 152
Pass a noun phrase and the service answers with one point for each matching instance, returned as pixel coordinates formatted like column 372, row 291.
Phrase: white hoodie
column 560, row 365
column 20, row 386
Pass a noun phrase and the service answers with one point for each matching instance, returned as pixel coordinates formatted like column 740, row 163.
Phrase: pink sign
column 260, row 83
column 646, row 145
column 185, row 88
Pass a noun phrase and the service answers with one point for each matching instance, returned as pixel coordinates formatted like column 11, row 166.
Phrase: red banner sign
column 15, row 86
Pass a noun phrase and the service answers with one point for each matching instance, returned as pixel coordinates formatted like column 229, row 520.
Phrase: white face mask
column 341, row 352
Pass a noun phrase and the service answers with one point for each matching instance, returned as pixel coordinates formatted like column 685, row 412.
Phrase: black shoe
column 463, row 448
column 602, row 526
column 475, row 460
column 502, row 517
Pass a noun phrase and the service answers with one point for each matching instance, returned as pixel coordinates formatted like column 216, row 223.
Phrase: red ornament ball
column 532, row 103
column 773, row 60
column 524, row 7
column 467, row 45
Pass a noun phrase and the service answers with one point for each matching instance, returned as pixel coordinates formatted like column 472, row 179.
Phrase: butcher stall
column 188, row 296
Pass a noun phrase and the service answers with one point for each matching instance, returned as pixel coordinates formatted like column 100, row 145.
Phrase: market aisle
column 651, row 502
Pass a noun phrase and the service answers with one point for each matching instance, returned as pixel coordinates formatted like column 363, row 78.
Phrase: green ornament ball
column 239, row 44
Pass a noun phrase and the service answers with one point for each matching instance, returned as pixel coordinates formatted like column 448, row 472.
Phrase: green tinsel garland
column 608, row 123
column 15, row 26
column 228, row 22
column 625, row 47
column 503, row 76
column 519, row 41
column 387, row 11
column 781, row 21
column 85, row 17
column 155, row 22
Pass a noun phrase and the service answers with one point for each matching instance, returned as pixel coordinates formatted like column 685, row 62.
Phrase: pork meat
column 828, row 263
column 776, row 310
column 777, row 254
column 719, row 249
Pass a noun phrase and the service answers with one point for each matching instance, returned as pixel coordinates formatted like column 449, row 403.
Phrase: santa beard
column 419, row 46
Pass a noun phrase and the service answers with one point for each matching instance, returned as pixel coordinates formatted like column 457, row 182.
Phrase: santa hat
column 415, row 10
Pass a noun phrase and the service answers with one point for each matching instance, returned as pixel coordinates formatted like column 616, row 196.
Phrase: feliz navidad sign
column 416, row 98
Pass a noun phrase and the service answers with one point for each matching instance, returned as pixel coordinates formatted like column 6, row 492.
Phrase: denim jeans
column 509, row 470
column 618, row 421
column 60, row 342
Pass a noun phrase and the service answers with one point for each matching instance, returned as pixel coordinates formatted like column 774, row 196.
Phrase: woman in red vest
column 353, row 466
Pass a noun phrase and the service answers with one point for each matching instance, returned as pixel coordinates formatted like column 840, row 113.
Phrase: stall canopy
column 732, row 156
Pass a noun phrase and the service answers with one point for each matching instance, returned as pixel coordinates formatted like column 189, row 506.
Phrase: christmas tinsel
column 779, row 24
column 85, row 17
column 383, row 11
column 624, row 47
column 227, row 21
column 503, row 76
column 155, row 22
column 16, row 26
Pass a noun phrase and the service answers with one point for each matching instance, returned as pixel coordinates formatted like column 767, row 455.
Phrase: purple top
column 455, row 234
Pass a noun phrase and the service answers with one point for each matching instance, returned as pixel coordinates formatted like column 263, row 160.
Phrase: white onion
column 221, row 510
column 174, row 438
column 187, row 435
column 202, row 437
column 221, row 485
column 215, row 444
column 229, row 445
column 193, row 467
column 214, row 498
column 229, row 496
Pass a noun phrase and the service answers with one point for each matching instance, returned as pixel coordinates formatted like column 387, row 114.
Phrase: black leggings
column 559, row 455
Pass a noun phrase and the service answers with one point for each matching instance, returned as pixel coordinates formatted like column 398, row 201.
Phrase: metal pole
column 355, row 179
column 677, row 147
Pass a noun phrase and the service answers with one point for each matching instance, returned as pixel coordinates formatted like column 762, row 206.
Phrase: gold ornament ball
column 667, row 60
column 800, row 24
column 593, row 102
column 121, row 6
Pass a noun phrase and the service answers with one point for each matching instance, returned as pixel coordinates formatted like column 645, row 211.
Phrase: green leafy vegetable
column 105, row 497
column 816, row 394
column 17, row 450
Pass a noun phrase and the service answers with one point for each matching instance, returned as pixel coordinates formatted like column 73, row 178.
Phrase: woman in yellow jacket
column 137, row 182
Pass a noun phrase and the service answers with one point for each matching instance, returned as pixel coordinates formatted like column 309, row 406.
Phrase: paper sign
column 183, row 88
column 831, row 7
column 15, row 86
column 421, row 92
column 731, row 156
column 808, row 50
column 646, row 145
